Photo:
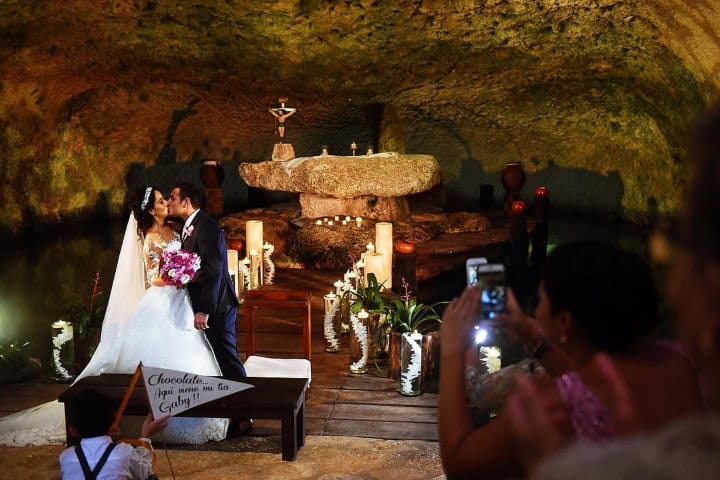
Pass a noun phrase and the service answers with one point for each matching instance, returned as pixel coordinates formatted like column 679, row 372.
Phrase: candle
column 384, row 242
column 325, row 220
column 253, row 235
column 318, row 222
column 233, row 263
column 337, row 218
column 352, row 278
column 347, row 218
column 329, row 301
column 330, row 222
column 358, row 221
column 255, row 269
column 344, row 222
column 374, row 264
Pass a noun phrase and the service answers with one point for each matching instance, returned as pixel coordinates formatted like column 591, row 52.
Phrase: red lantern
column 518, row 206
column 541, row 191
column 404, row 247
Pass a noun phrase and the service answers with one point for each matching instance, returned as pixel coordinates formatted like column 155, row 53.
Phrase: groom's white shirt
column 188, row 222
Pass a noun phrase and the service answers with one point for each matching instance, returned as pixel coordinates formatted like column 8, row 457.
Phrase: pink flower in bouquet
column 178, row 267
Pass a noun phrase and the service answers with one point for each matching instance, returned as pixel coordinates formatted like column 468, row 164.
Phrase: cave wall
column 592, row 96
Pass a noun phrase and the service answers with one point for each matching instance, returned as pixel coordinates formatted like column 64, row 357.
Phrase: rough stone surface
column 593, row 97
column 379, row 208
column 282, row 152
column 382, row 175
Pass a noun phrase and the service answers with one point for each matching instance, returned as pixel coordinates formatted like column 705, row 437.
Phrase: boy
column 90, row 416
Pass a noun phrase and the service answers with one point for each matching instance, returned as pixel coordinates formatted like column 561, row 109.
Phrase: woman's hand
column 458, row 321
column 525, row 330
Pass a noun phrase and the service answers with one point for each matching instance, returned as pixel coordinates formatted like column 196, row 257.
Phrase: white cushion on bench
column 256, row 366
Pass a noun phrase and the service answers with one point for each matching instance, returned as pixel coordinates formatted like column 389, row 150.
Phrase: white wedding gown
column 159, row 332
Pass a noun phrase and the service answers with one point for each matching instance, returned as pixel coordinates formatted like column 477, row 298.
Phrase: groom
column 211, row 293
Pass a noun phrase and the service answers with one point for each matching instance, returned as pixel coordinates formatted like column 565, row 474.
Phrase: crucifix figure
column 281, row 114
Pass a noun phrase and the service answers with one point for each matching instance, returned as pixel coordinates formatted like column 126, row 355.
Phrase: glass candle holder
column 410, row 364
column 359, row 342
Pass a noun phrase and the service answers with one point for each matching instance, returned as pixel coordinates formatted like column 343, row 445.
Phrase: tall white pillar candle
column 374, row 264
column 253, row 236
column 384, row 246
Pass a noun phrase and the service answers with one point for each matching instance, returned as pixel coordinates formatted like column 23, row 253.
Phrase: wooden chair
column 281, row 299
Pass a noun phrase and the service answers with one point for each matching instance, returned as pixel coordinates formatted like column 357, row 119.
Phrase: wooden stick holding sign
column 126, row 397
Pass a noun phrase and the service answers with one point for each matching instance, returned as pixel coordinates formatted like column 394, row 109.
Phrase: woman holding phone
column 593, row 297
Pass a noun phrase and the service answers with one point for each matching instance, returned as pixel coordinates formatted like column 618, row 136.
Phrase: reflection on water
column 39, row 281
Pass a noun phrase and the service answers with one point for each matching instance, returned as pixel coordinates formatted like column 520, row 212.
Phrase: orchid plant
column 407, row 315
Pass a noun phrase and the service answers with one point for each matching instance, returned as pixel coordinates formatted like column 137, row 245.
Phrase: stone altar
column 370, row 186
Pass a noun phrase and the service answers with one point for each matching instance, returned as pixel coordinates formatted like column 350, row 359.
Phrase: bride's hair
column 141, row 202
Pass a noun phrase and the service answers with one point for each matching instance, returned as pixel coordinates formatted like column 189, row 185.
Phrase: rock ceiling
column 593, row 96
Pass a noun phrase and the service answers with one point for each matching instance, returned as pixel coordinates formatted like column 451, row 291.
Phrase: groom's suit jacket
column 211, row 290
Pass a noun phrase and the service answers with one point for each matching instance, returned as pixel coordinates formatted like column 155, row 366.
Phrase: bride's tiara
column 146, row 199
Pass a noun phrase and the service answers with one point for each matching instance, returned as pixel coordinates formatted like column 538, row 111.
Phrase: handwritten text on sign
column 172, row 391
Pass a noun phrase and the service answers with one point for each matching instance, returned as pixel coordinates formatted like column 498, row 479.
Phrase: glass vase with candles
column 331, row 327
column 368, row 296
column 359, row 342
column 407, row 316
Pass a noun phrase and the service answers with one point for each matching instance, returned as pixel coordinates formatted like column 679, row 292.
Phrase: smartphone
column 491, row 282
column 471, row 266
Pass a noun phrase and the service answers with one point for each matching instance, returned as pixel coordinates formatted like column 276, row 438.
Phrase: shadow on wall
column 164, row 176
column 571, row 189
column 168, row 171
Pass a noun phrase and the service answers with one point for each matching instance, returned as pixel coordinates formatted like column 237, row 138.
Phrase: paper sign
column 172, row 391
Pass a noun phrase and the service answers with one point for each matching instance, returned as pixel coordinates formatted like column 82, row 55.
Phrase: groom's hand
column 201, row 321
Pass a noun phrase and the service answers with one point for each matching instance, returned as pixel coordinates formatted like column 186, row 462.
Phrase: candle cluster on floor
column 339, row 220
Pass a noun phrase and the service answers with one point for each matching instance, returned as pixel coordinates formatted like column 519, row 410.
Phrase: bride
column 154, row 326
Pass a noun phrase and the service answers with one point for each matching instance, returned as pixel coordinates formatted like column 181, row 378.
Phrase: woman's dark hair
column 610, row 292
column 141, row 202
column 700, row 227
column 91, row 413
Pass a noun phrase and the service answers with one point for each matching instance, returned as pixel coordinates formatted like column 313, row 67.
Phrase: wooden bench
column 271, row 398
column 277, row 298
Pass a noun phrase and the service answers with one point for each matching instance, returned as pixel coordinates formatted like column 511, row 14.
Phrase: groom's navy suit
column 212, row 292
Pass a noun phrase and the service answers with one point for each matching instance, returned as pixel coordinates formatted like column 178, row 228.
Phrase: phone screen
column 471, row 267
column 492, row 286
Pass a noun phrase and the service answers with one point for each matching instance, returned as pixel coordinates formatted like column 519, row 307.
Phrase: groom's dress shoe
column 238, row 428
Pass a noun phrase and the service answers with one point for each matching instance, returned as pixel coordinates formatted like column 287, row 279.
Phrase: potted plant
column 408, row 316
column 16, row 363
column 367, row 296
column 88, row 321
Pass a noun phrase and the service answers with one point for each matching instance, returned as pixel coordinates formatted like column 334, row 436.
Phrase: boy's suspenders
column 92, row 474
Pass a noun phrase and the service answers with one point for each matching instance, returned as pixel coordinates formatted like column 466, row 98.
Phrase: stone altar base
column 381, row 208
column 283, row 152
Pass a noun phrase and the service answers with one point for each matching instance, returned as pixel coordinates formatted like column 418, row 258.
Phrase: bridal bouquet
column 178, row 267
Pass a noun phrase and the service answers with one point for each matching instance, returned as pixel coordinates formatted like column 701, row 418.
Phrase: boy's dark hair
column 91, row 413
column 188, row 190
